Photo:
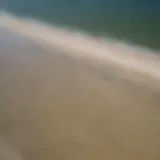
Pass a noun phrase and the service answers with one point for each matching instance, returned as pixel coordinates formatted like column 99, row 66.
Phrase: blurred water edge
column 129, row 20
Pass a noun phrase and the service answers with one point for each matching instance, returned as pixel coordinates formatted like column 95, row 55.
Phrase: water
column 129, row 20
column 59, row 100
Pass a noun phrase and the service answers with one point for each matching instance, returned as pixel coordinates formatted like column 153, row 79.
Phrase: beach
column 70, row 96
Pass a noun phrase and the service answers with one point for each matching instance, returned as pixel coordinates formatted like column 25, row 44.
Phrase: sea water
column 133, row 21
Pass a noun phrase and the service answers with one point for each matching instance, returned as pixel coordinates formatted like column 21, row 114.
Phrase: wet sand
column 57, row 106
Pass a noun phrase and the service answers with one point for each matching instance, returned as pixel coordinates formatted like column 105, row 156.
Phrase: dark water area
column 135, row 21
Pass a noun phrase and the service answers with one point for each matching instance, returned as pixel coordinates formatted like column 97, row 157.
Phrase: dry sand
column 58, row 106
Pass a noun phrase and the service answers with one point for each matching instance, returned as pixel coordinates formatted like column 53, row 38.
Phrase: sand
column 55, row 105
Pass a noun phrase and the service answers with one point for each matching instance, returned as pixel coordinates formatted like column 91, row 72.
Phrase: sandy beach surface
column 58, row 106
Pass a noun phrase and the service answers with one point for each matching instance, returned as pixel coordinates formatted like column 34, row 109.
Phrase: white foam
column 135, row 58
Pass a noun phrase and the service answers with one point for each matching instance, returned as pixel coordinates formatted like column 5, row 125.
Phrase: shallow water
column 134, row 21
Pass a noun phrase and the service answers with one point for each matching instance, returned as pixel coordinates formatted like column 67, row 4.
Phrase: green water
column 134, row 21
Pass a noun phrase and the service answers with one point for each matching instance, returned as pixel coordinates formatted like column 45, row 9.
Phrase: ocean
column 79, row 80
column 133, row 21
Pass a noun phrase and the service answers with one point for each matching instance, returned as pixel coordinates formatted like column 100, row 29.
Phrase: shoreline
column 125, row 56
column 55, row 105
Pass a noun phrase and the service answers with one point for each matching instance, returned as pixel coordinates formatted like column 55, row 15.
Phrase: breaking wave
column 79, row 43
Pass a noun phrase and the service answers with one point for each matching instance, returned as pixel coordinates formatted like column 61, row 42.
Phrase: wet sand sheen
column 56, row 106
